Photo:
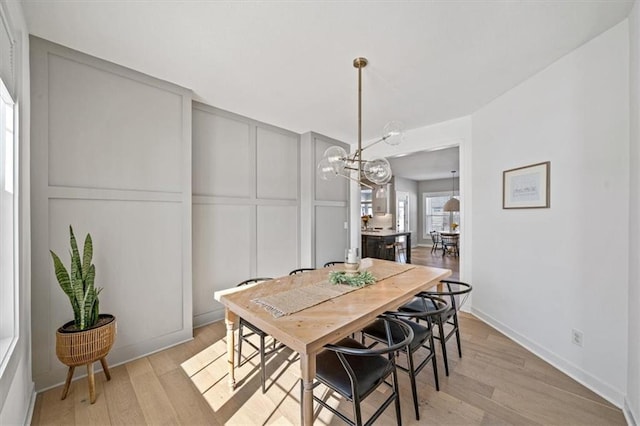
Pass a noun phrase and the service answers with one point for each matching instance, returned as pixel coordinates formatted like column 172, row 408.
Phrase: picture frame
column 527, row 187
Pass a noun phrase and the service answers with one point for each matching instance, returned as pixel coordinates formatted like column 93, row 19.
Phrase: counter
column 374, row 240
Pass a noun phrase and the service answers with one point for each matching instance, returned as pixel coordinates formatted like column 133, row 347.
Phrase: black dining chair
column 450, row 244
column 422, row 338
column 355, row 371
column 457, row 293
column 253, row 330
column 436, row 241
column 333, row 262
column 301, row 270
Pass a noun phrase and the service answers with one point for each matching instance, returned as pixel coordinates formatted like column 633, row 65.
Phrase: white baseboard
column 208, row 318
column 628, row 414
column 32, row 403
column 603, row 389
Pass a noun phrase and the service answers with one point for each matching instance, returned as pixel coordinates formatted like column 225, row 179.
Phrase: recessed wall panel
column 335, row 189
column 277, row 165
column 277, row 240
column 112, row 132
column 222, row 249
column 111, row 155
column 137, row 250
column 331, row 236
column 221, row 156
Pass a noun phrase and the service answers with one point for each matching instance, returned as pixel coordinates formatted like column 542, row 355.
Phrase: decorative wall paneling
column 325, row 206
column 111, row 156
column 246, row 204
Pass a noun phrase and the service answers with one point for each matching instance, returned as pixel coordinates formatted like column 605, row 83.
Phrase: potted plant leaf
column 90, row 336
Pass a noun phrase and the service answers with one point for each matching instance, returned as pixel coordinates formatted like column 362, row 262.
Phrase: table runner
column 298, row 299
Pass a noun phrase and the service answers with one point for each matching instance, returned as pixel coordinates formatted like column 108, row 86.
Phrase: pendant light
column 368, row 173
column 453, row 205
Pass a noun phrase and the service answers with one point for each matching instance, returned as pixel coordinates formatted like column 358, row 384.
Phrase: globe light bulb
column 377, row 170
column 336, row 156
column 393, row 133
column 325, row 170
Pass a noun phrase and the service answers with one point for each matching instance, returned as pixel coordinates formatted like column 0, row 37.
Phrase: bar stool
column 386, row 250
column 400, row 251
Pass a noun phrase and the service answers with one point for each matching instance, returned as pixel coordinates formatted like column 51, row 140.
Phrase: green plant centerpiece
column 79, row 286
column 90, row 336
column 359, row 279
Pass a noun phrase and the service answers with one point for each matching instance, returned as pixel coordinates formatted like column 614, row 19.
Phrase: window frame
column 11, row 329
column 425, row 221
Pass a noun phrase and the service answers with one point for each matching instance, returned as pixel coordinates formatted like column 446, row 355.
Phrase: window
column 434, row 218
column 366, row 202
column 8, row 226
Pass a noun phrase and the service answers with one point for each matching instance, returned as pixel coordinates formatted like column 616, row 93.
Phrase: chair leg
column 412, row 378
column 455, row 321
column 239, row 345
column 356, row 411
column 263, row 375
column 443, row 344
column 67, row 383
column 397, row 401
column 434, row 363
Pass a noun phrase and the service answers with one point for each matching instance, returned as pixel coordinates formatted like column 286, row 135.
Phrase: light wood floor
column 496, row 382
column 423, row 256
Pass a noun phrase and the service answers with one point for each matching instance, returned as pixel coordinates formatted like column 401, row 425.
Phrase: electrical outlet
column 577, row 337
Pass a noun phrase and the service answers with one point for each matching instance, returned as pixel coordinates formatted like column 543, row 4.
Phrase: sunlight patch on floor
column 280, row 405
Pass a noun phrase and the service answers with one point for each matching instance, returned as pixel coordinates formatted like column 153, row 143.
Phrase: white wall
column 537, row 273
column 633, row 362
column 16, row 385
column 111, row 156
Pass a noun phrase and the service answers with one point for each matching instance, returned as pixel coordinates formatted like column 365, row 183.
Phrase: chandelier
column 336, row 161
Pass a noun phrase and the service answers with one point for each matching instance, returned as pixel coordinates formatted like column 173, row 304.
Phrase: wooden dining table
column 309, row 330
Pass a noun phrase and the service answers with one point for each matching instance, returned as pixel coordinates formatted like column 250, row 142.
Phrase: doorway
column 402, row 211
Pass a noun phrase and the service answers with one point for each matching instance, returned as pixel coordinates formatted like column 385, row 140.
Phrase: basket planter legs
column 76, row 348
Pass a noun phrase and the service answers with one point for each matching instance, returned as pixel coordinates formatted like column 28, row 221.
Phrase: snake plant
column 79, row 285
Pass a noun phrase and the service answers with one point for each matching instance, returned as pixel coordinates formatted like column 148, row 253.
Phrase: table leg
column 230, row 320
column 308, row 373
column 409, row 247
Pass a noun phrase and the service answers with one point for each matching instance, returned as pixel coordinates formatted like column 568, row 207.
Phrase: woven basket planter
column 81, row 347
column 84, row 347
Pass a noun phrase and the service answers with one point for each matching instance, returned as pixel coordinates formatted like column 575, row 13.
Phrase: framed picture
column 526, row 187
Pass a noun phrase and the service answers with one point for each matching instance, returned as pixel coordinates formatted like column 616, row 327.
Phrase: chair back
column 455, row 291
column 392, row 344
column 449, row 240
column 333, row 262
column 253, row 280
column 430, row 307
column 435, row 237
column 301, row 270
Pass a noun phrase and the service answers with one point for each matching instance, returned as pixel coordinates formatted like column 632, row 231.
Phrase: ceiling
column 427, row 165
column 289, row 63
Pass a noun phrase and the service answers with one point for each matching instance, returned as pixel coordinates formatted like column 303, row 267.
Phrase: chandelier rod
column 359, row 63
